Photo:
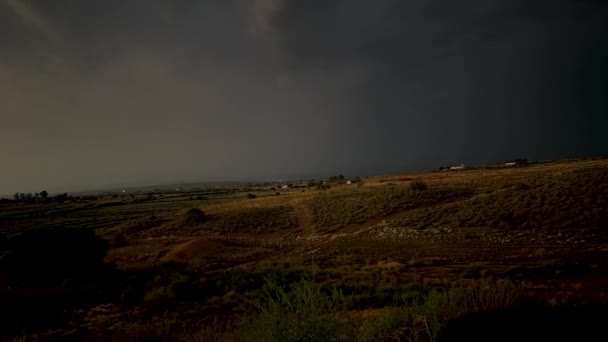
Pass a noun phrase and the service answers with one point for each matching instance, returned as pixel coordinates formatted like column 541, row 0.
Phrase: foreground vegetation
column 287, row 302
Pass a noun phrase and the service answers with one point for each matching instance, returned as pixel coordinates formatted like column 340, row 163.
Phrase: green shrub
column 424, row 320
column 303, row 312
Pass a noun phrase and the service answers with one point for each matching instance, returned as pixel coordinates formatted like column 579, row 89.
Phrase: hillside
column 400, row 256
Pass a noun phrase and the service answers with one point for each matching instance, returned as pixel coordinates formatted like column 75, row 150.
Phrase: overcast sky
column 119, row 92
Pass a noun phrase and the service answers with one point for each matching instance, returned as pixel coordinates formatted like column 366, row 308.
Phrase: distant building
column 459, row 167
column 349, row 182
column 517, row 162
column 285, row 186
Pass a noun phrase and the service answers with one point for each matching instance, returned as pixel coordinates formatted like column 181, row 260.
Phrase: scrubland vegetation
column 574, row 201
column 450, row 255
column 338, row 208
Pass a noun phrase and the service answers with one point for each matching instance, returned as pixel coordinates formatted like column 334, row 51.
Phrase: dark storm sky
column 118, row 92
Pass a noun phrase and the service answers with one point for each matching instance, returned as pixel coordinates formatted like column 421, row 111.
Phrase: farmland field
column 383, row 259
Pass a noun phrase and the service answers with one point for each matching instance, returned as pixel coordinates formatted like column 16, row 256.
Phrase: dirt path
column 305, row 219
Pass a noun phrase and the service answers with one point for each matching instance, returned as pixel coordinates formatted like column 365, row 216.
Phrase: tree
column 44, row 194
column 16, row 195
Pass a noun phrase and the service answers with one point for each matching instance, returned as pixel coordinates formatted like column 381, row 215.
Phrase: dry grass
column 335, row 209
column 255, row 220
column 564, row 202
column 277, row 219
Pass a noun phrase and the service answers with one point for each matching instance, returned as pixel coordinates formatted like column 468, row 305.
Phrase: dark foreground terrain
column 492, row 253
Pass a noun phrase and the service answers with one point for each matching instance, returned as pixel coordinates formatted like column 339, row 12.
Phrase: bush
column 302, row 313
column 45, row 273
column 418, row 185
column 307, row 311
column 194, row 216
column 35, row 254
column 251, row 196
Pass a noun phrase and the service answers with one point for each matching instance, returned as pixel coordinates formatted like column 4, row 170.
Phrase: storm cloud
column 110, row 93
